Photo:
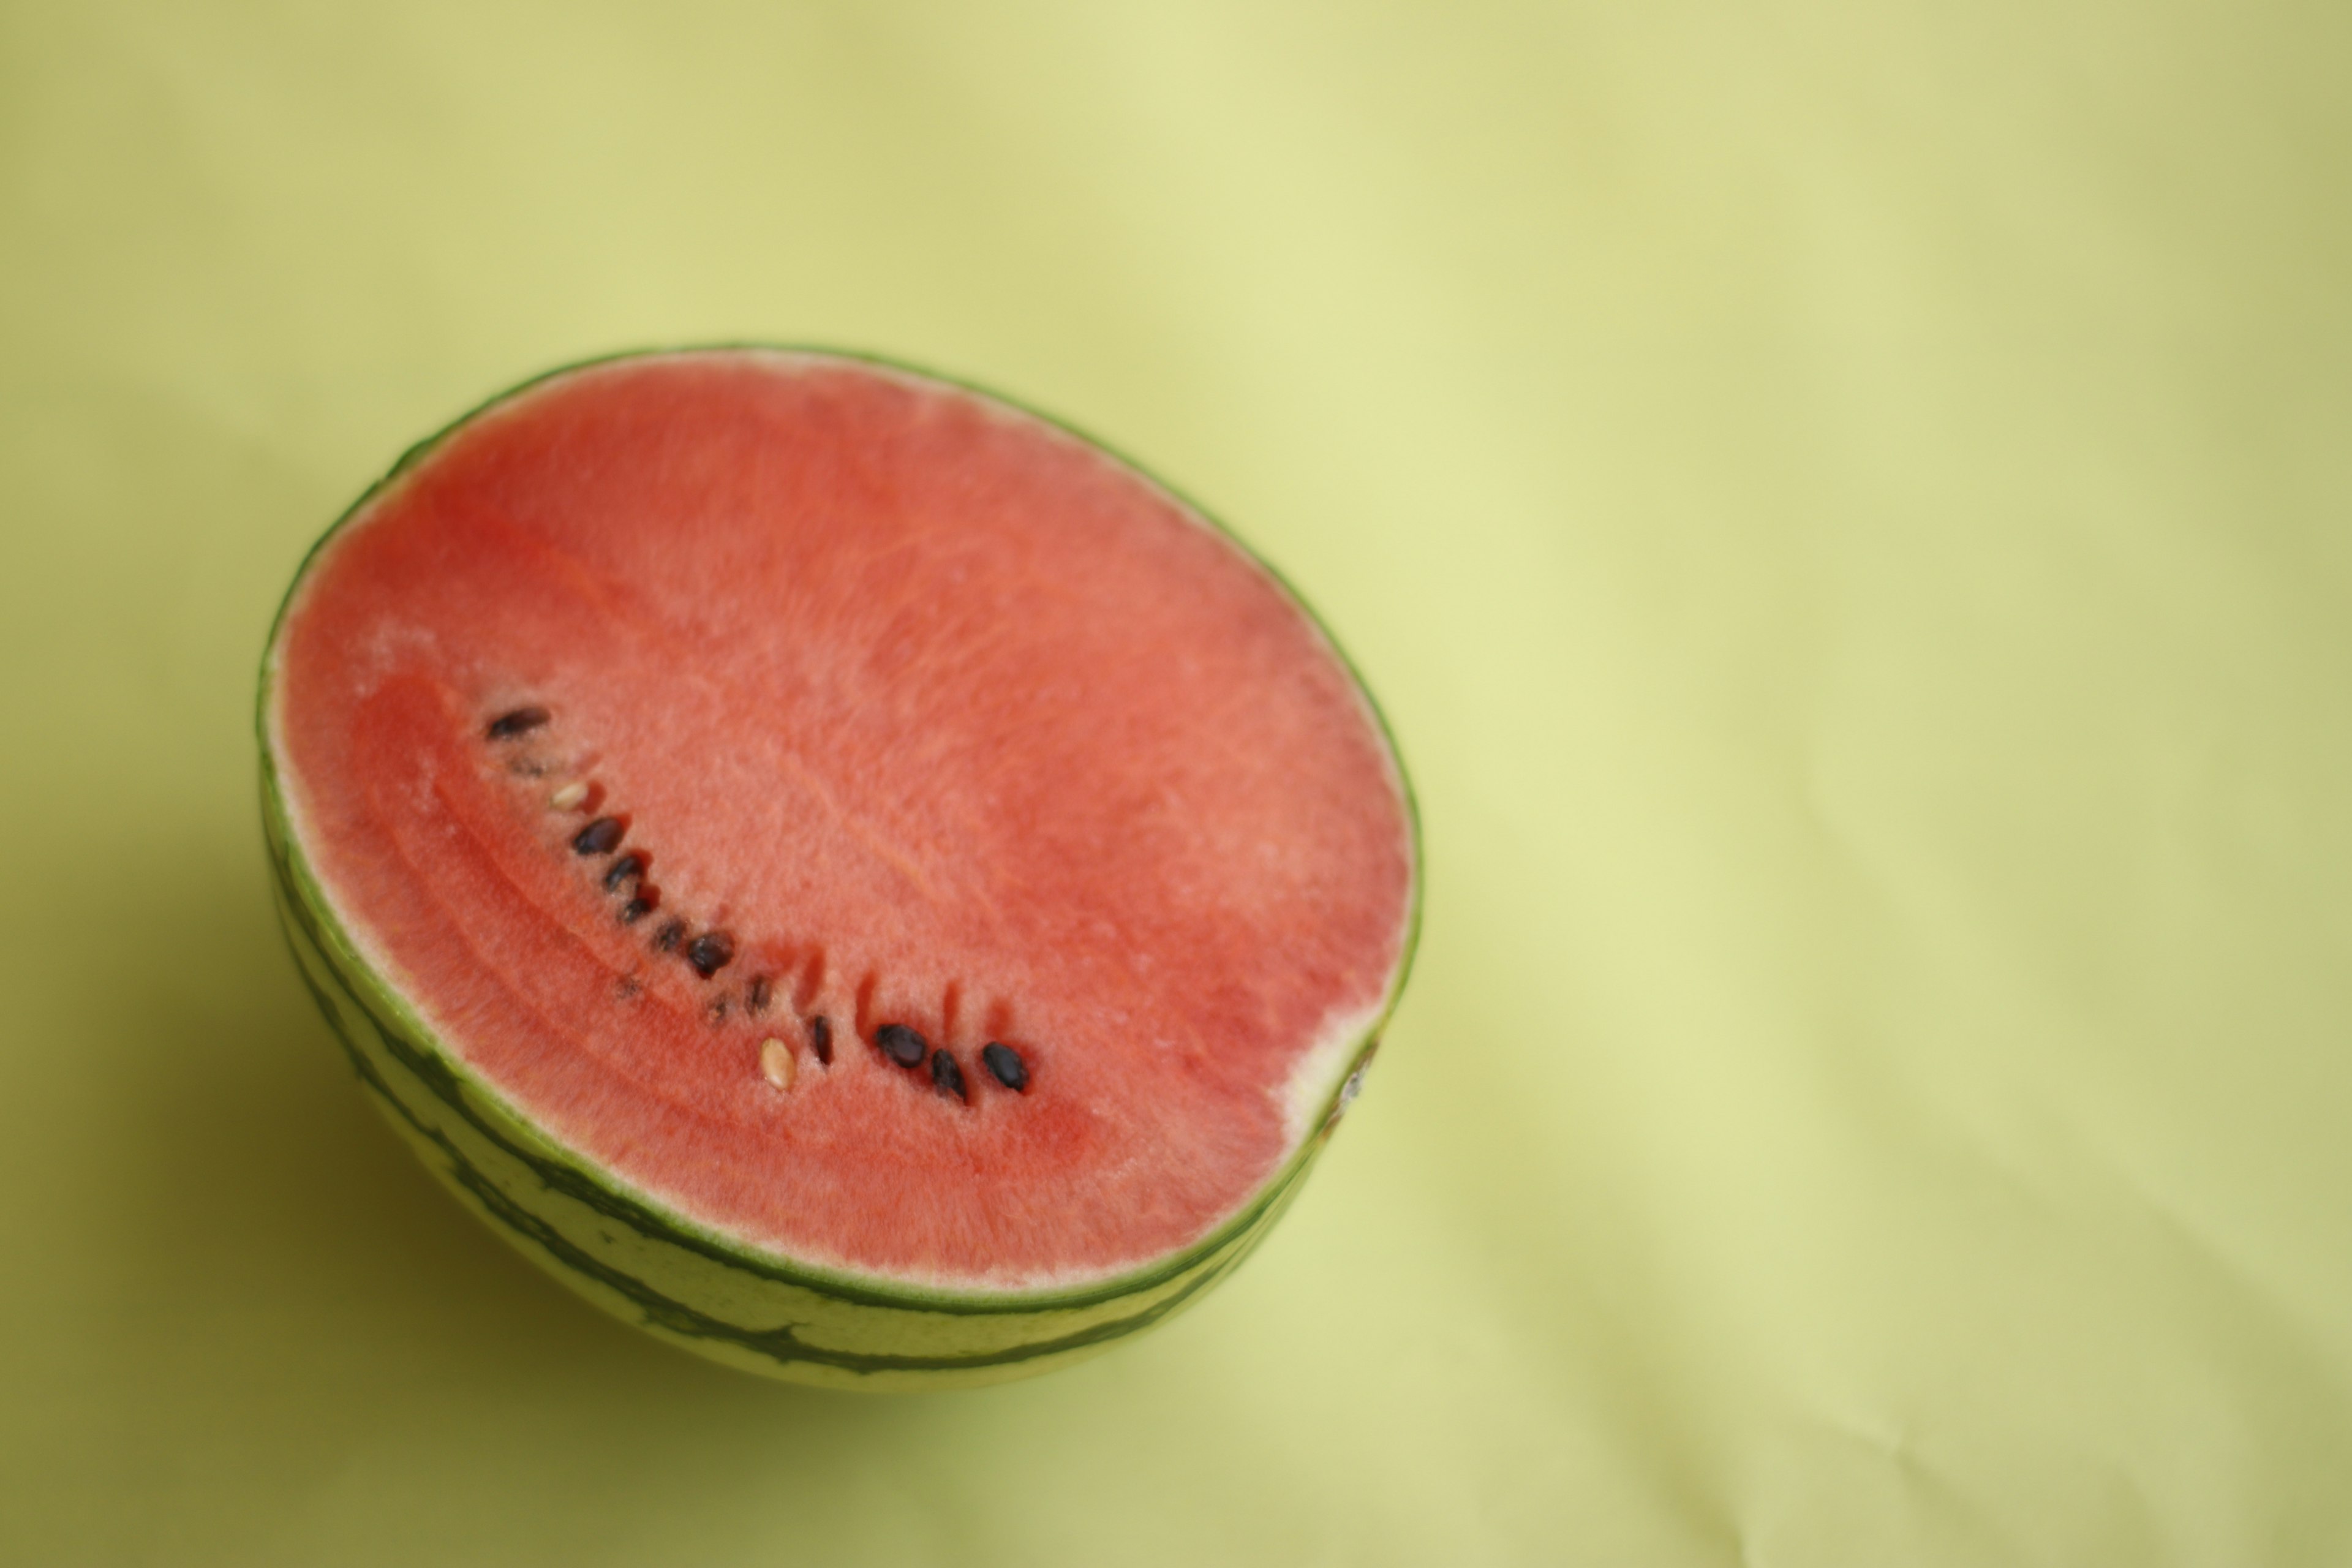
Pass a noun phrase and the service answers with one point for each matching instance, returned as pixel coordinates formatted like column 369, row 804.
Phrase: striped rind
column 654, row 1269
column 629, row 1254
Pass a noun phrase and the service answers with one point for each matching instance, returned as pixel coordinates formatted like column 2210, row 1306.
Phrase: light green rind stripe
column 679, row 1281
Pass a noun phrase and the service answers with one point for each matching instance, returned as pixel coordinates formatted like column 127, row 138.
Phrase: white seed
column 776, row 1062
column 569, row 796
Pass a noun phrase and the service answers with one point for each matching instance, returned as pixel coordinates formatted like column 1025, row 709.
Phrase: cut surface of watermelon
column 859, row 823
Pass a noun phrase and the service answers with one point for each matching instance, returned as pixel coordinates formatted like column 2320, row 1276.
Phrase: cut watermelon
column 841, row 870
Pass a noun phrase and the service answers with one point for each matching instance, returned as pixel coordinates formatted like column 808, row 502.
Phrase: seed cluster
column 709, row 951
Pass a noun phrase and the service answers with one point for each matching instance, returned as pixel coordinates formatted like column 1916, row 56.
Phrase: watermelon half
column 843, row 872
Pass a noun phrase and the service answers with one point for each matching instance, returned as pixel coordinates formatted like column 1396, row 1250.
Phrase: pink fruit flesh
column 947, row 719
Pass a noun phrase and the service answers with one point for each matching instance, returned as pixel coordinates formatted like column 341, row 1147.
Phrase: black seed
column 635, row 910
column 1004, row 1065
column 626, row 988
column 902, row 1044
column 946, row 1076
column 755, row 995
column 601, row 836
column 669, row 935
column 718, row 1009
column 507, row 726
column 629, row 868
column 821, row 1038
column 710, row 952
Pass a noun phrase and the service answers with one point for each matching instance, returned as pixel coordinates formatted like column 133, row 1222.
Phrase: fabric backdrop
column 1846, row 506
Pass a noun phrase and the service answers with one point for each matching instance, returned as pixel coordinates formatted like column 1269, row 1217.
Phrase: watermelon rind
column 654, row 1268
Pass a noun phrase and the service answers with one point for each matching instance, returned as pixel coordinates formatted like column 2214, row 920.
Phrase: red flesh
column 948, row 720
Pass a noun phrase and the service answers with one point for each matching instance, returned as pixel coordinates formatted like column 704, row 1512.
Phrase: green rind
column 675, row 1278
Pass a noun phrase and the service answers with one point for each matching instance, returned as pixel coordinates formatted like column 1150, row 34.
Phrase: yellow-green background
column 1849, row 508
